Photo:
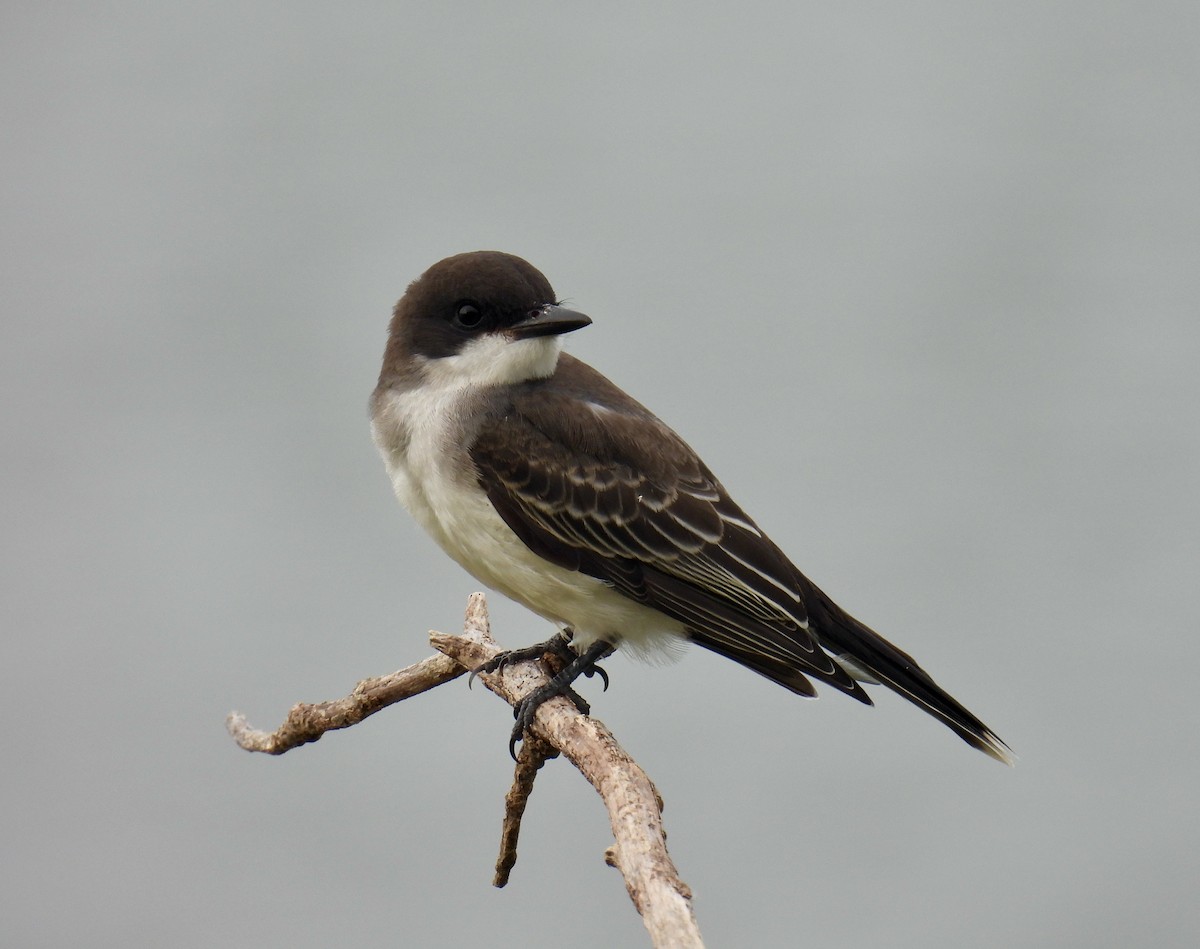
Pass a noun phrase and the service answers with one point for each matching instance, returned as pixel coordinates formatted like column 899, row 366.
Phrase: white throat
column 494, row 359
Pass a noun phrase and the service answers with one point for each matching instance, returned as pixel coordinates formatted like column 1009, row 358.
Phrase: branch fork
column 634, row 806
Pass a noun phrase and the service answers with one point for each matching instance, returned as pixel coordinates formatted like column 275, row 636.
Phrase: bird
column 551, row 485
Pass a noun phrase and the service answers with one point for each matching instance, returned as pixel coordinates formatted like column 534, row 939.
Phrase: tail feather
column 865, row 650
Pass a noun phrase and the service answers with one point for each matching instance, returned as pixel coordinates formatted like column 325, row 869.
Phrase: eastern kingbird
column 548, row 483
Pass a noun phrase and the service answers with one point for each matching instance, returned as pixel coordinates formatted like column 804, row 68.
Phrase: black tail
column 844, row 636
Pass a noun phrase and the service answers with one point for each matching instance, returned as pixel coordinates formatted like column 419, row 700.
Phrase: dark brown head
column 480, row 315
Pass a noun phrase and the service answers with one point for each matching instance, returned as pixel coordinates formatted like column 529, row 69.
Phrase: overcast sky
column 918, row 281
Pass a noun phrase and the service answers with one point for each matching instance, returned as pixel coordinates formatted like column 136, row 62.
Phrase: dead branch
column 307, row 722
column 533, row 754
column 634, row 807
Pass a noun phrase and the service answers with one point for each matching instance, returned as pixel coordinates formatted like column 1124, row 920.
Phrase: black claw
column 598, row 671
column 560, row 684
column 489, row 666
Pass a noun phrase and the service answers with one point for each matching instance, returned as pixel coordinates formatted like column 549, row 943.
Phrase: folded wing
column 623, row 499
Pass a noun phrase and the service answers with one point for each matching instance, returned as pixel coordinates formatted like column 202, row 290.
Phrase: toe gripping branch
column 572, row 666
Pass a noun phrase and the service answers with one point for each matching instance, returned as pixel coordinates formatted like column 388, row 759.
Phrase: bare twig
column 307, row 722
column 634, row 806
column 533, row 754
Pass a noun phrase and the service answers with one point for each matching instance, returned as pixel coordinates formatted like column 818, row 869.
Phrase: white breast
column 420, row 433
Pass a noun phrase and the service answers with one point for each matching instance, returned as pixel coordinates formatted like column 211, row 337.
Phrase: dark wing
column 631, row 504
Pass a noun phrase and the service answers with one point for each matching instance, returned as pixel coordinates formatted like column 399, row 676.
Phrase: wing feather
column 624, row 500
column 637, row 509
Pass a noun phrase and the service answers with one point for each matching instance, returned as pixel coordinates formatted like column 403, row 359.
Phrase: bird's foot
column 558, row 645
column 559, row 684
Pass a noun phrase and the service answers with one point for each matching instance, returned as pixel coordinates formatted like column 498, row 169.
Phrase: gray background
column 919, row 281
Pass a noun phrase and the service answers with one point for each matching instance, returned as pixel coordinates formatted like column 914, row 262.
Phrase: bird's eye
column 468, row 316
